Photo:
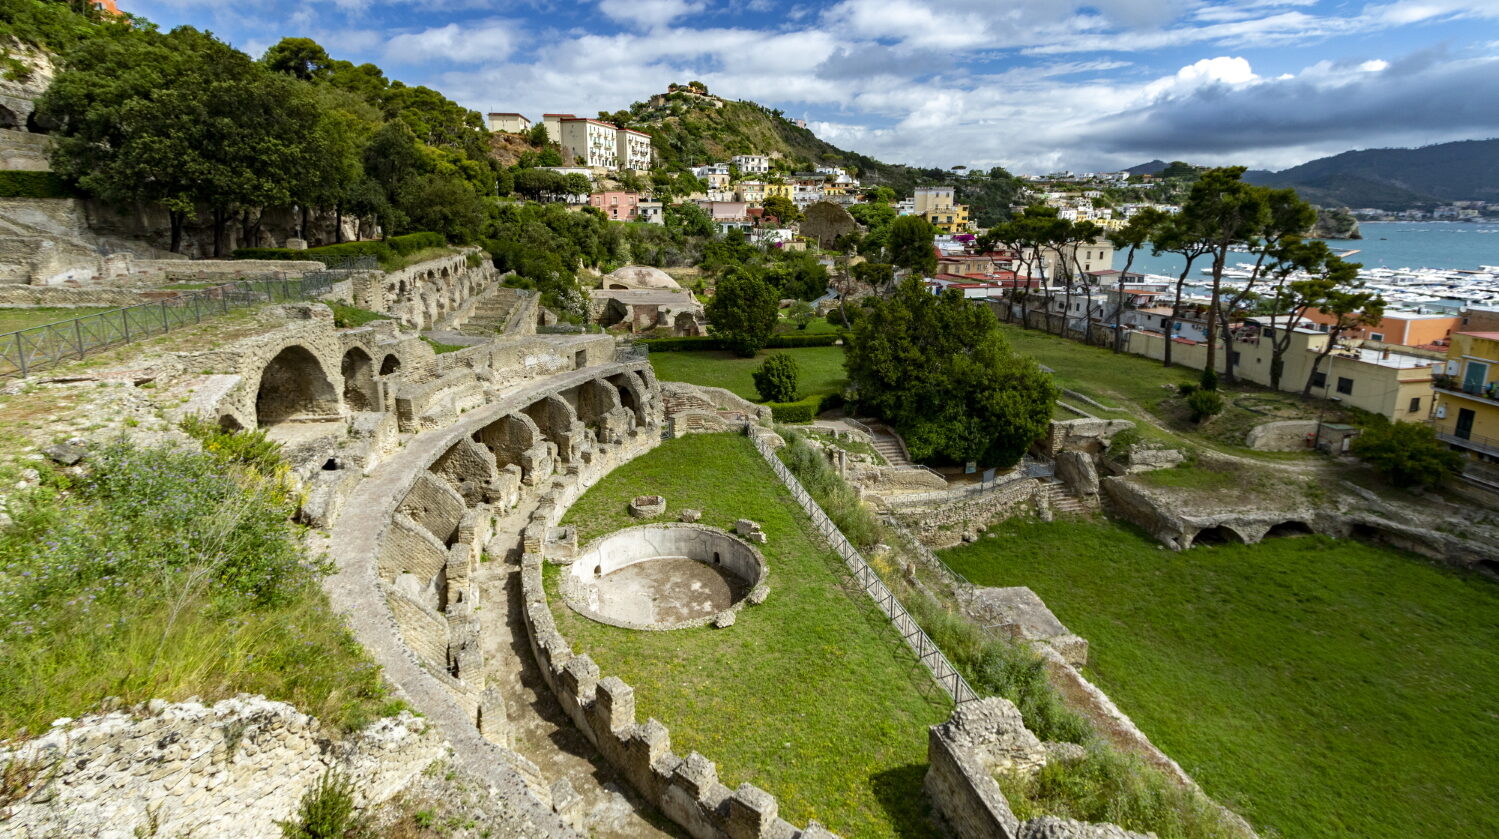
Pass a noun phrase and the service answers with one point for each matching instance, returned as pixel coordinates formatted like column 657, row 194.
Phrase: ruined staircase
column 1060, row 500
column 888, row 445
column 491, row 312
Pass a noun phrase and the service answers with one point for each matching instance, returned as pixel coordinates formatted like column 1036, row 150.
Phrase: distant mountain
column 1154, row 167
column 1394, row 179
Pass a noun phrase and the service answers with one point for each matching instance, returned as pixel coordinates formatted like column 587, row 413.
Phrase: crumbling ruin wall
column 939, row 520
column 422, row 295
column 233, row 768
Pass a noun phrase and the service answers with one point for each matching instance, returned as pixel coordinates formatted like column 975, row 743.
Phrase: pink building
column 618, row 206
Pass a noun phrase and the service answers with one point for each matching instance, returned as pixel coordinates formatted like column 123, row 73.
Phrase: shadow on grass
column 900, row 794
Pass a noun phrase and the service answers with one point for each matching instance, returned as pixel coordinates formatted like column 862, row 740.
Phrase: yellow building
column 1467, row 396
column 781, row 189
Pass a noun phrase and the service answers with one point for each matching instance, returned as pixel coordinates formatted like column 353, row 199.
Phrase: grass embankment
column 1132, row 384
column 14, row 320
column 808, row 695
column 1321, row 688
column 821, row 369
column 169, row 574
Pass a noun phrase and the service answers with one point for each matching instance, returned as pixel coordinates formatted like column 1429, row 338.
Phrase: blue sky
column 1034, row 85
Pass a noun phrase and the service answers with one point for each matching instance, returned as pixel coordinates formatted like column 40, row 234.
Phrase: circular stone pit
column 662, row 576
column 647, row 506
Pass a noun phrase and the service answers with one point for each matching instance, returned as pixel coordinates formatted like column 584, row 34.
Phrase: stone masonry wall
column 230, row 769
column 942, row 525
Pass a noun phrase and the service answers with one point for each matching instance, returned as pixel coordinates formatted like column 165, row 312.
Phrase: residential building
column 778, row 189
column 513, row 123
column 633, row 149
column 618, row 206
column 651, row 212
column 752, row 192
column 553, row 123
column 806, row 192
column 1097, row 255
column 1466, row 414
column 591, row 142
column 937, row 205
column 1411, row 329
column 752, row 164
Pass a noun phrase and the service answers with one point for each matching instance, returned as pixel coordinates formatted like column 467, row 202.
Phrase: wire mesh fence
column 38, row 348
column 921, row 644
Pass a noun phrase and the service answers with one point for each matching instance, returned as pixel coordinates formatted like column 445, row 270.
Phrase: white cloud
column 493, row 41
column 648, row 13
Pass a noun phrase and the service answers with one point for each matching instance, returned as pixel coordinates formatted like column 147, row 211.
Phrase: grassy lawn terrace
column 821, row 369
column 1322, row 688
column 14, row 320
column 811, row 695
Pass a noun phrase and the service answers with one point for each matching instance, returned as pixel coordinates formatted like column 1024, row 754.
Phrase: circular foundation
column 662, row 576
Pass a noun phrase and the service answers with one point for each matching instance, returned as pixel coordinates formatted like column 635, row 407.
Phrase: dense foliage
column 938, row 369
column 34, row 185
column 743, row 311
column 1408, row 453
column 776, row 380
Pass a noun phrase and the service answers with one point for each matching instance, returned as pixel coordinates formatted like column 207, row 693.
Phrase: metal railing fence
column 38, row 348
column 915, row 637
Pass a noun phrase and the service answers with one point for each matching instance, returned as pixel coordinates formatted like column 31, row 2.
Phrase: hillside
column 1394, row 179
column 689, row 129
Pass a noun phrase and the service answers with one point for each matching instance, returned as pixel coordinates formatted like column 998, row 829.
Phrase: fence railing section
column 38, row 348
column 915, row 637
column 626, row 353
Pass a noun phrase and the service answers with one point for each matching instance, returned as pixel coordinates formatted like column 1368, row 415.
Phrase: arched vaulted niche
column 294, row 386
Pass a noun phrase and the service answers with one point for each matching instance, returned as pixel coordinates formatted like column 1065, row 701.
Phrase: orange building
column 1404, row 328
column 108, row 7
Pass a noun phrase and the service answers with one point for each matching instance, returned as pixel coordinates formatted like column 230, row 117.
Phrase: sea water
column 1386, row 244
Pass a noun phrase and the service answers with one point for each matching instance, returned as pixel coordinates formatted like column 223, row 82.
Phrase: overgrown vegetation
column 326, row 811
column 35, row 185
column 858, row 523
column 346, row 316
column 1299, row 680
column 165, row 572
column 1407, row 453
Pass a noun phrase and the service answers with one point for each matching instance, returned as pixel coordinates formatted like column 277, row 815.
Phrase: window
column 1345, row 385
column 1236, row 358
column 1376, row 336
column 1321, row 327
column 1415, row 404
column 1319, row 380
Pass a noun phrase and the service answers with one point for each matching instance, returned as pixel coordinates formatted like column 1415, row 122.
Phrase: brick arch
column 515, row 440
column 358, row 370
column 558, row 422
column 294, row 385
column 632, row 395
column 390, row 364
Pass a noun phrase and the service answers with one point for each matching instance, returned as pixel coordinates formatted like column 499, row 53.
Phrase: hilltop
column 1391, row 179
column 689, row 128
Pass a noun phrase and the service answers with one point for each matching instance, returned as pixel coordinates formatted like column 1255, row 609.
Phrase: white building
column 633, row 149
column 590, row 142
column 513, row 123
column 752, row 164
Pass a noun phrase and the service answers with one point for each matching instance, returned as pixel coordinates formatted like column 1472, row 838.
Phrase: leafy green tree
column 882, row 195
column 688, row 219
column 1136, row 233
column 444, row 205
column 538, row 135
column 1351, row 304
column 1179, row 169
column 303, row 58
column 1408, row 453
column 801, row 313
column 730, row 252
column 876, row 274
column 1182, row 236
column 782, row 208
column 1299, row 276
column 776, row 380
column 1205, row 402
column 910, row 244
column 798, row 275
column 940, row 371
column 1229, row 213
column 742, row 312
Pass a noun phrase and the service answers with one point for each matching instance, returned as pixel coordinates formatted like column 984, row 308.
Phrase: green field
column 12, row 320
column 821, row 369
column 1321, row 688
column 811, row 695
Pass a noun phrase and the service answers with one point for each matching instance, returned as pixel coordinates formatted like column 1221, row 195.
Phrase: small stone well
column 662, row 576
column 647, row 506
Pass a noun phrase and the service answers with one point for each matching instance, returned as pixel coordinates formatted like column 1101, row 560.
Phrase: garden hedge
column 802, row 410
column 383, row 251
column 776, row 342
column 35, row 185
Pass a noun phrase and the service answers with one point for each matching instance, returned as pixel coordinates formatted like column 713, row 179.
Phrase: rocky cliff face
column 1335, row 223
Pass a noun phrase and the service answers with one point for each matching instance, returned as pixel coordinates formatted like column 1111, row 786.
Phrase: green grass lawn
column 1131, row 384
column 821, row 369
column 12, row 320
column 810, row 695
column 1322, row 688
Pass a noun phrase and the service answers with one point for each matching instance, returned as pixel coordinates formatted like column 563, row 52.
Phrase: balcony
column 1487, row 392
column 1473, row 442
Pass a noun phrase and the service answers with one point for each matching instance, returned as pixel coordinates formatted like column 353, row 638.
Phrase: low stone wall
column 231, row 769
column 1085, row 435
column 15, row 296
column 1283, row 436
column 943, row 523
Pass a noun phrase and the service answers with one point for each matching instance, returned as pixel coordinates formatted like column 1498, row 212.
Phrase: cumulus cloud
column 493, row 41
column 648, row 13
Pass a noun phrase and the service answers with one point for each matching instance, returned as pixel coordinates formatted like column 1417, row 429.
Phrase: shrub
column 857, row 522
column 1204, row 404
column 776, row 380
column 804, row 410
column 348, row 317
column 326, row 811
column 35, row 185
column 413, row 242
column 250, row 448
column 1209, row 380
column 1410, row 455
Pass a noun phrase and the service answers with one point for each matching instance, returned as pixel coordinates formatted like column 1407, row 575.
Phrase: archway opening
column 229, row 423
column 1219, row 535
column 390, row 365
column 292, row 387
column 1289, row 528
column 359, row 380
column 9, row 120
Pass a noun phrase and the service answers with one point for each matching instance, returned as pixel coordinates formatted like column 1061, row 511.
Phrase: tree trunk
column 1119, row 304
column 338, row 224
column 1332, row 340
column 177, row 217
column 1219, row 257
column 220, row 231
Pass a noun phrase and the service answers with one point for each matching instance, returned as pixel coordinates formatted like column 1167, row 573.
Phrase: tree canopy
column 910, row 244
column 742, row 312
column 939, row 370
